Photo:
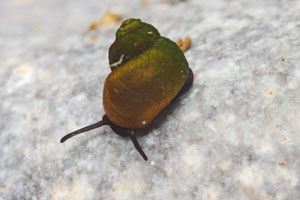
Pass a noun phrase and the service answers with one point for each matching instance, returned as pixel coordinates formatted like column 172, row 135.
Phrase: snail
column 148, row 72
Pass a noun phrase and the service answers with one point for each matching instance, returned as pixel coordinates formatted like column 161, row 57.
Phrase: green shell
column 148, row 71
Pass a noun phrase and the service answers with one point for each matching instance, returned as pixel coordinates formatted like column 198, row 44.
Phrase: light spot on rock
column 168, row 169
column 22, row 69
column 50, row 146
column 211, row 125
column 192, row 158
column 139, row 188
column 191, row 116
column 212, row 194
column 75, row 191
column 225, row 165
column 122, row 188
column 251, row 176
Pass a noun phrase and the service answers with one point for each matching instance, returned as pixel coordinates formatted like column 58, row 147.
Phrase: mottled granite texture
column 234, row 135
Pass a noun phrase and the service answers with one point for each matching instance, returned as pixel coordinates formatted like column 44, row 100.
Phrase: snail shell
column 148, row 71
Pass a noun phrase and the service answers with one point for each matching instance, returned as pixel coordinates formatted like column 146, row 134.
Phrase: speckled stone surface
column 234, row 135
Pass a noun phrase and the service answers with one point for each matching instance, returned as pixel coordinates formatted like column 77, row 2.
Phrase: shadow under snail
column 148, row 72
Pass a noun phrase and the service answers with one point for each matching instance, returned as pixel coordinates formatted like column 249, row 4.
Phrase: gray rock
column 234, row 135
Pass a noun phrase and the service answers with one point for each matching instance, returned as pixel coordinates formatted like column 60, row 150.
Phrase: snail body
column 148, row 72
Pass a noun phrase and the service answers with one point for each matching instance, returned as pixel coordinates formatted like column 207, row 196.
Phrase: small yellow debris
column 36, row 26
column 281, row 164
column 122, row 188
column 179, row 42
column 93, row 38
column 269, row 92
column 184, row 44
column 111, row 17
column 284, row 138
column 195, row 77
column 144, row 2
column 108, row 18
column 94, row 26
